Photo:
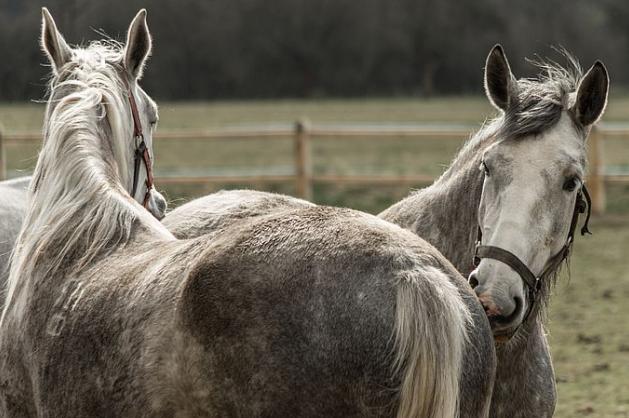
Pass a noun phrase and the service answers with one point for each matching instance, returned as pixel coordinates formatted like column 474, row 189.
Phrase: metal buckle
column 140, row 144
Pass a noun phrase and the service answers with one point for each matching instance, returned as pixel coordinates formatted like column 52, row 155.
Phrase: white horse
column 13, row 193
column 312, row 312
column 519, row 180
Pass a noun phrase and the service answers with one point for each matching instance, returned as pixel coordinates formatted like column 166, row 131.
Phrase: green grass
column 180, row 115
column 589, row 314
column 588, row 325
column 194, row 115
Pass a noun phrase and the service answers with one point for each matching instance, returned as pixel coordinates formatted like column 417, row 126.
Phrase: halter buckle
column 569, row 240
column 140, row 146
column 538, row 284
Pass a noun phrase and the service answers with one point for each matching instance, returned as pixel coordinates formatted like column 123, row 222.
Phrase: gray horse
column 12, row 210
column 517, row 179
column 517, row 182
column 310, row 312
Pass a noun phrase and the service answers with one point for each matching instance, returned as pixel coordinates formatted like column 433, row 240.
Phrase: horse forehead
column 565, row 140
column 554, row 150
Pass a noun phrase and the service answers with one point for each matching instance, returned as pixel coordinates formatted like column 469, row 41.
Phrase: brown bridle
column 533, row 282
column 141, row 150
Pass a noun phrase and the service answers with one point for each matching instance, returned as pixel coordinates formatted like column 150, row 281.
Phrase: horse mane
column 535, row 108
column 79, row 211
column 539, row 102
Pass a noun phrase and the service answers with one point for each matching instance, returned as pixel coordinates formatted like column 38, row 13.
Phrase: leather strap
column 582, row 206
column 141, row 153
column 146, row 157
column 497, row 253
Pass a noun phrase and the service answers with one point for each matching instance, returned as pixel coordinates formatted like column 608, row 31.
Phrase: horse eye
column 485, row 168
column 571, row 184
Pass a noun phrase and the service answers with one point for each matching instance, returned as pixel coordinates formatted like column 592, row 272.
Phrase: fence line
column 303, row 133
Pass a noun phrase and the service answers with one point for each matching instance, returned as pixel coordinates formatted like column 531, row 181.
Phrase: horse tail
column 430, row 335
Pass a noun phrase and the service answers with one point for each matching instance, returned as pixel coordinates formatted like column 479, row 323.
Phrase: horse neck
column 446, row 213
column 79, row 211
column 525, row 379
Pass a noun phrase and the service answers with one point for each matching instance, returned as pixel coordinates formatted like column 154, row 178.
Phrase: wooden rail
column 303, row 133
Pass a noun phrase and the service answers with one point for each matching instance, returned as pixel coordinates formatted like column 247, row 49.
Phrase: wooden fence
column 303, row 133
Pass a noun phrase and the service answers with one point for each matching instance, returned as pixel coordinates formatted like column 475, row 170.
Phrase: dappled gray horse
column 519, row 179
column 515, row 186
column 310, row 312
column 12, row 212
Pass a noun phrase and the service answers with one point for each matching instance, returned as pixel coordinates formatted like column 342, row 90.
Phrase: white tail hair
column 430, row 334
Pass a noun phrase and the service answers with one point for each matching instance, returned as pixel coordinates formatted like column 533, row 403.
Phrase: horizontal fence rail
column 303, row 133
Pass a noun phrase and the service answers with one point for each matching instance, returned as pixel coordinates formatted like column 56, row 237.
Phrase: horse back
column 294, row 315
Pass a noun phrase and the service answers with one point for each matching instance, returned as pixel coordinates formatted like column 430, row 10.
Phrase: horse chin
column 502, row 338
column 504, row 335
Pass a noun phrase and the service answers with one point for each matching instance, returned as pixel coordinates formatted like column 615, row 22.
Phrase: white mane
column 78, row 209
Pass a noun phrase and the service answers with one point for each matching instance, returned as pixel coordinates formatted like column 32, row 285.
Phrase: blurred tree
column 309, row 48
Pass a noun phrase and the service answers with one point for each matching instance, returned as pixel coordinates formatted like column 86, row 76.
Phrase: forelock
column 540, row 101
column 104, row 57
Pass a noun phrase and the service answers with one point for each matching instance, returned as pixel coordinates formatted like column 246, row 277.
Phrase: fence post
column 303, row 168
column 3, row 161
column 596, row 177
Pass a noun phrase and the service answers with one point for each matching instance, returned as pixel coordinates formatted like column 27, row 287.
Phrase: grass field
column 589, row 316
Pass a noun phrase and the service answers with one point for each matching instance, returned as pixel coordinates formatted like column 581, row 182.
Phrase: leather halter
column 141, row 153
column 533, row 282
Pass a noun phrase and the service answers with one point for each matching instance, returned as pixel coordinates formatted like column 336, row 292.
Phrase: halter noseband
column 533, row 282
column 141, row 153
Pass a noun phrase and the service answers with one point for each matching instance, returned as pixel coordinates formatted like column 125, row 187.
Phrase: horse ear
column 499, row 81
column 592, row 95
column 138, row 47
column 52, row 42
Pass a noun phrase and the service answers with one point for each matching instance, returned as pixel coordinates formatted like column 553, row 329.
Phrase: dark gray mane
column 538, row 102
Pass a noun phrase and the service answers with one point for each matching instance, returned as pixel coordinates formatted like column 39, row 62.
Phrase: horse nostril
column 473, row 281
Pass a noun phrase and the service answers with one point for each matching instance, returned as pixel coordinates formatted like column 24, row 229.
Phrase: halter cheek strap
column 533, row 282
column 141, row 153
